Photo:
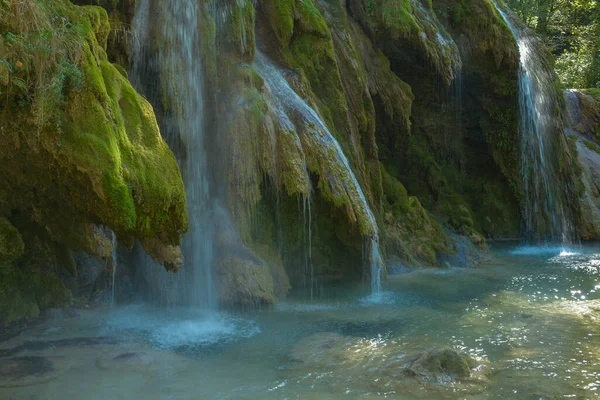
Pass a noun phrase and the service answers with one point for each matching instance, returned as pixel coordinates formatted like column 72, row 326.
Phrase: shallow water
column 529, row 318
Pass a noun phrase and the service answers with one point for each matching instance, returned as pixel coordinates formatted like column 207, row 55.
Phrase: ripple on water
column 180, row 329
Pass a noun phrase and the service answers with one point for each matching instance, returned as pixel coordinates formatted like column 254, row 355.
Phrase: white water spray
column 176, row 45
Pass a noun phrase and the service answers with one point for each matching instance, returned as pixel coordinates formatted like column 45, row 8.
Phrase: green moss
column 411, row 236
column 397, row 15
column 404, row 29
column 101, row 156
column 11, row 242
column 591, row 145
column 26, row 290
column 310, row 20
column 48, row 289
column 240, row 29
column 281, row 18
column 15, row 304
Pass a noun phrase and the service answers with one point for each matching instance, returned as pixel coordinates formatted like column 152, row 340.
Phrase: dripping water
column 113, row 257
column 307, row 227
column 287, row 98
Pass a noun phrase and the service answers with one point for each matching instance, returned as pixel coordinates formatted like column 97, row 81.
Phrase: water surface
column 529, row 318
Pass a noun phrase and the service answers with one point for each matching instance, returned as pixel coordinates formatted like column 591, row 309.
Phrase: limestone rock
column 245, row 281
column 170, row 256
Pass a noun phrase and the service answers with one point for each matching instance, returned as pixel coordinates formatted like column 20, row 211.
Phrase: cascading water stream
column 291, row 102
column 543, row 211
column 175, row 46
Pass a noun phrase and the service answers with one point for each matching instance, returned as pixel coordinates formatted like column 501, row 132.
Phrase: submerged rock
column 320, row 348
column 124, row 361
column 441, row 365
column 380, row 365
column 53, row 344
column 26, row 371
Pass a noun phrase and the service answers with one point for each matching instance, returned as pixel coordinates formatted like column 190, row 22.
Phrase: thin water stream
column 529, row 319
column 289, row 102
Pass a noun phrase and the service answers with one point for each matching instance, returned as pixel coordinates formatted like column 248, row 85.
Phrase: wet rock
column 89, row 268
column 589, row 161
column 375, row 364
column 170, row 256
column 319, row 348
column 25, row 371
column 441, row 365
column 45, row 344
column 245, row 281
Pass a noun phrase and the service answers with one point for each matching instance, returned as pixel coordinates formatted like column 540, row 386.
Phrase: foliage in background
column 40, row 53
column 572, row 30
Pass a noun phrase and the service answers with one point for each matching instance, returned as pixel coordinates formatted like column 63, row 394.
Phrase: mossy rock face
column 409, row 32
column 582, row 125
column 11, row 242
column 306, row 43
column 412, row 237
column 81, row 155
column 99, row 156
column 459, row 156
column 15, row 305
column 584, row 112
column 377, row 73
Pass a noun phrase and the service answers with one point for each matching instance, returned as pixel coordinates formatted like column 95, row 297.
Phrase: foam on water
column 566, row 253
column 177, row 328
column 384, row 297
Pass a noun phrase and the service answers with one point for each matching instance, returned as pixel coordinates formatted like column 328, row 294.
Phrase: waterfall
column 168, row 45
column 289, row 102
column 543, row 211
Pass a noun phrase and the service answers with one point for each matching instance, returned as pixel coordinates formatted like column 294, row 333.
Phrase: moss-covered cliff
column 79, row 150
column 420, row 95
